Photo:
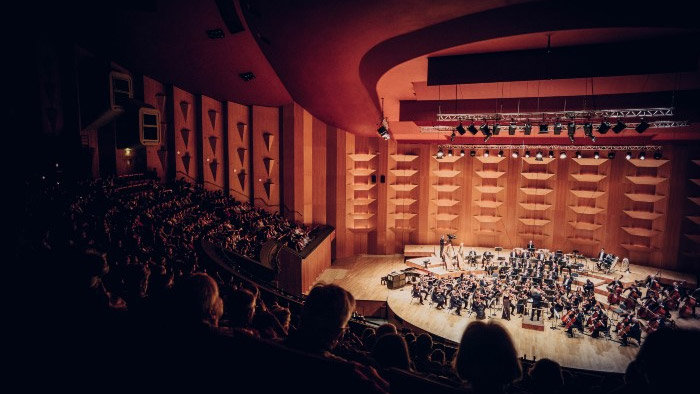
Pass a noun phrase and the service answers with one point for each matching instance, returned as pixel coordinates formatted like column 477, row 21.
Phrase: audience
column 545, row 377
column 390, row 351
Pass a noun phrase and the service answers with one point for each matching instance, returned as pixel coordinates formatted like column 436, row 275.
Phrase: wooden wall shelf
column 536, row 176
column 637, row 248
column 695, row 200
column 533, row 160
column 533, row 235
column 404, row 172
column 490, row 174
column 403, row 188
column 588, row 177
column 445, row 202
column 489, row 189
column 446, row 188
column 445, row 216
column 639, row 197
column 693, row 237
column 487, row 219
column 362, row 156
column 443, row 228
column 361, row 171
column 363, row 186
column 583, row 210
column 363, row 201
column 403, row 216
column 531, row 191
column 535, row 207
column 404, row 158
column 641, row 232
column 402, row 229
column 447, row 159
column 587, row 193
column 446, row 173
column 589, row 161
column 644, row 215
column 585, row 226
column 583, row 241
column 648, row 163
column 694, row 219
column 533, row 222
column 362, row 229
column 362, row 216
column 488, row 204
column 487, row 231
column 492, row 159
column 645, row 180
column 402, row 201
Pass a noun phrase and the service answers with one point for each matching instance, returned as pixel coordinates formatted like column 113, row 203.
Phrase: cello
column 687, row 307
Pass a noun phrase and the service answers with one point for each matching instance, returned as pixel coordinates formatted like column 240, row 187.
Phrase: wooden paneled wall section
column 381, row 195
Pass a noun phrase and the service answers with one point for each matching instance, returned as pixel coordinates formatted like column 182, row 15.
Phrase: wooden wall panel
column 266, row 157
column 187, row 159
column 239, row 155
column 690, row 222
column 154, row 93
column 212, row 141
column 320, row 170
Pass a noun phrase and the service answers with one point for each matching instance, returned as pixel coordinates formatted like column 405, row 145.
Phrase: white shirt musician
column 602, row 255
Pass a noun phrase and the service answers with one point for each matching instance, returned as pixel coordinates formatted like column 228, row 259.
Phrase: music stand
column 498, row 250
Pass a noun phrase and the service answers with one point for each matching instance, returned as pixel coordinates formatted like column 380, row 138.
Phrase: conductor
column 531, row 246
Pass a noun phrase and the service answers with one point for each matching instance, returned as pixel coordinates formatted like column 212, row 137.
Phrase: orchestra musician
column 567, row 283
column 416, row 293
column 531, row 246
column 536, row 303
column 588, row 288
column 506, row 305
column 632, row 330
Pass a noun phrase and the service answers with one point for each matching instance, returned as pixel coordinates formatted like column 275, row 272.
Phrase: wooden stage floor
column 361, row 276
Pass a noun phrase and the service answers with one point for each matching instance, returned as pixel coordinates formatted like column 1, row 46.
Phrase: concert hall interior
column 357, row 196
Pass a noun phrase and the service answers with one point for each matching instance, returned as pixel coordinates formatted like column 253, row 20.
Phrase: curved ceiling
column 326, row 53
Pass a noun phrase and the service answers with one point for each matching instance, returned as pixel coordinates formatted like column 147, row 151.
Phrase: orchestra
column 528, row 281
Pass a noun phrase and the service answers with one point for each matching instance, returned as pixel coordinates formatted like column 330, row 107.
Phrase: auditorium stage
column 361, row 276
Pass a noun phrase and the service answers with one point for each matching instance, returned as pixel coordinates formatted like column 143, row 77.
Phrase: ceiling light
column 543, row 128
column 658, row 155
column 496, row 128
column 247, row 76
column 460, row 129
column 472, row 129
column 642, row 155
column 551, row 154
column 528, row 128
column 604, row 127
column 596, row 155
column 514, row 154
column 450, row 153
column 461, row 153
column 440, row 153
column 628, row 155
column 578, row 154
column 588, row 130
column 500, row 153
column 472, row 153
column 562, row 155
column 527, row 153
column 643, row 125
column 611, row 155
column 619, row 126
column 538, row 156
column 486, row 153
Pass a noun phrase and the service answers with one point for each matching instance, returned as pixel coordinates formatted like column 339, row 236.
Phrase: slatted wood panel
column 587, row 203
column 266, row 157
column 239, row 154
column 404, row 191
column 535, row 193
column 689, row 241
column 212, row 141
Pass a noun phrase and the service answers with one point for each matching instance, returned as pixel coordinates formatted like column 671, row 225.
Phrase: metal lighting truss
column 552, row 147
column 559, row 115
column 521, row 128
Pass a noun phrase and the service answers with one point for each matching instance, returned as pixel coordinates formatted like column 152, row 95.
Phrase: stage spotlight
column 596, row 155
column 578, row 154
column 500, row 153
column 604, row 127
column 528, row 128
column 486, row 153
column 562, row 155
column 588, row 131
column 643, row 125
column 485, row 129
column 557, row 128
column 450, row 153
column 658, row 155
column 472, row 153
column 551, row 154
column 619, row 126
column 496, row 128
column 514, row 154
column 611, row 155
column 642, row 155
column 527, row 153
column 538, row 156
column 511, row 128
column 488, row 136
column 472, row 129
column 628, row 155
column 460, row 129
column 543, row 128
column 440, row 154
column 461, row 153
column 383, row 130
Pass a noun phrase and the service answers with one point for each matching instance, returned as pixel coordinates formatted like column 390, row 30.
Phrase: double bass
column 569, row 318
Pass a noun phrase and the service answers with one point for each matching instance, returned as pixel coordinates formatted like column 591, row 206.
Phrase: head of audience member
column 94, row 263
column 423, row 346
column 267, row 326
column 390, row 351
column 386, row 328
column 240, row 308
column 545, row 376
column 663, row 358
column 438, row 356
column 160, row 282
column 487, row 358
column 325, row 316
column 198, row 301
column 137, row 281
column 284, row 317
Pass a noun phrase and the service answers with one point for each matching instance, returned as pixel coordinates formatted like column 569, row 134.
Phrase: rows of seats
column 128, row 297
